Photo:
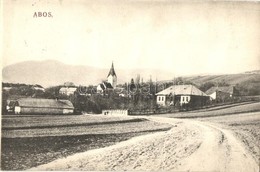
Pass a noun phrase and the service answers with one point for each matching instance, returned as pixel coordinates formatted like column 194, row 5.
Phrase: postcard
column 130, row 85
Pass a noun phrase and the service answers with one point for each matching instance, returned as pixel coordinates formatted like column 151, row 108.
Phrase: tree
column 222, row 83
column 132, row 85
column 5, row 96
column 207, row 85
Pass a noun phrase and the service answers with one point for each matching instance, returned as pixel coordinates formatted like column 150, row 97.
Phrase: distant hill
column 50, row 73
column 231, row 79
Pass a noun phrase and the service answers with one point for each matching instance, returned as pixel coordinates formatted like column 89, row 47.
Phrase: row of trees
column 139, row 94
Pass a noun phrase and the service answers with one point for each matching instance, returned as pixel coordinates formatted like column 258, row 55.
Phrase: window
column 187, row 98
column 162, row 98
column 159, row 98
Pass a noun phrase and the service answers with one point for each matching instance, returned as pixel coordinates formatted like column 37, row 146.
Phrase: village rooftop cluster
column 133, row 96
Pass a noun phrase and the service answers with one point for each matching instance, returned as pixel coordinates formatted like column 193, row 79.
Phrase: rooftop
column 182, row 90
column 45, row 103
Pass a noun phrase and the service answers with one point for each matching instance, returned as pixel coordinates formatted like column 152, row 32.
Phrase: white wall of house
column 213, row 96
column 17, row 109
column 185, row 99
column 161, row 99
column 67, row 90
column 99, row 89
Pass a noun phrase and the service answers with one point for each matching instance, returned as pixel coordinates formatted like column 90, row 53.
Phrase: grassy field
column 11, row 121
column 34, row 140
column 219, row 111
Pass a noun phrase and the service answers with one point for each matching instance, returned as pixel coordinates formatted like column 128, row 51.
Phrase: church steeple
column 111, row 77
column 112, row 71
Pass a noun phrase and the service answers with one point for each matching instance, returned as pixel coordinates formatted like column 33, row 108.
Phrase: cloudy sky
column 182, row 37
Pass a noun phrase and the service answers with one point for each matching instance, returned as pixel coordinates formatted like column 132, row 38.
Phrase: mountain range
column 51, row 73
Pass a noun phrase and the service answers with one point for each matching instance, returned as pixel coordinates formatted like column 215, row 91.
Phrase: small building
column 68, row 90
column 181, row 94
column 115, row 112
column 38, row 87
column 105, row 86
column 222, row 93
column 43, row 106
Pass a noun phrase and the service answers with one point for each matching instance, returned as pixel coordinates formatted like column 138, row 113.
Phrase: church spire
column 112, row 71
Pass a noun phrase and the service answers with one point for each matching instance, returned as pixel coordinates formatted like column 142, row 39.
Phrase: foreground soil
column 37, row 140
column 24, row 153
column 189, row 146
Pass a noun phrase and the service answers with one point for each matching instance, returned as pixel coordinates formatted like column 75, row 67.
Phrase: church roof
column 106, row 85
column 112, row 71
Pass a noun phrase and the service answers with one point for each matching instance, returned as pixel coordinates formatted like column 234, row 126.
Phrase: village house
column 38, row 87
column 181, row 94
column 111, row 82
column 68, row 89
column 42, row 106
column 222, row 93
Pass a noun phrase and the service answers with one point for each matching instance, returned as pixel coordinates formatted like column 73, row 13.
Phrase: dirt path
column 189, row 146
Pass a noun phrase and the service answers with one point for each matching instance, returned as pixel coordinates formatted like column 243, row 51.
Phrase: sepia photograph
column 130, row 85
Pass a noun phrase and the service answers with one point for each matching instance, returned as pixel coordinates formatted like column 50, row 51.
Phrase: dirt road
column 188, row 146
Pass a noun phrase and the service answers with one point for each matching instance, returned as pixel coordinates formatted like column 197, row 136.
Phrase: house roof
column 37, row 85
column 226, row 89
column 112, row 71
column 45, row 103
column 69, row 84
column 182, row 90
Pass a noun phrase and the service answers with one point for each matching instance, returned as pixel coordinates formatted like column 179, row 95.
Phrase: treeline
column 19, row 85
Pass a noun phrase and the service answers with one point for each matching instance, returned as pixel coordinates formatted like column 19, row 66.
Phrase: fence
column 116, row 112
column 153, row 111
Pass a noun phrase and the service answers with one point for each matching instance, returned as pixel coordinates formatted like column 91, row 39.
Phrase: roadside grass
column 219, row 107
column 244, row 108
column 26, row 148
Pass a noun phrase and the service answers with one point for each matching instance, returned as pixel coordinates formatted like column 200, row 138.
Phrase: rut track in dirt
column 189, row 146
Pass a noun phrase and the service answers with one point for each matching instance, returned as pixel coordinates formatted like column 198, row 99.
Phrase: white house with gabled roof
column 182, row 94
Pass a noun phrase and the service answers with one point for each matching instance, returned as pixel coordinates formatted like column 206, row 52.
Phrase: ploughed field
column 29, row 141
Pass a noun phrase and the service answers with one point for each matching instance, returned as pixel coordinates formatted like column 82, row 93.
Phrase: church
column 111, row 82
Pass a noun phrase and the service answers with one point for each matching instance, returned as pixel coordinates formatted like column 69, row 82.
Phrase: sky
column 182, row 37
